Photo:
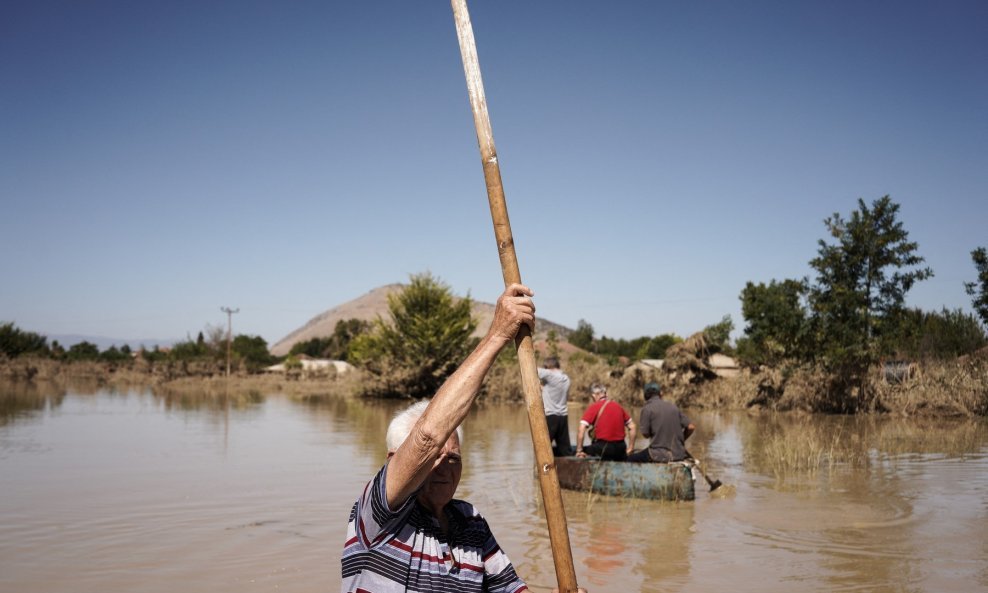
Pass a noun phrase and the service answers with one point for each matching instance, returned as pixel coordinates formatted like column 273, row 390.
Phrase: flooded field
column 110, row 492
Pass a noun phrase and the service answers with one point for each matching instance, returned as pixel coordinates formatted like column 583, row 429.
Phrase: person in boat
column 666, row 425
column 555, row 399
column 609, row 421
column 406, row 531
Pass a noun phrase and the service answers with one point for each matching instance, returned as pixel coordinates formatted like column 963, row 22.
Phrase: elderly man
column 406, row 532
column 666, row 425
column 609, row 421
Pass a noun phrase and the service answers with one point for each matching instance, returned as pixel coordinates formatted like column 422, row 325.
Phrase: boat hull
column 654, row 481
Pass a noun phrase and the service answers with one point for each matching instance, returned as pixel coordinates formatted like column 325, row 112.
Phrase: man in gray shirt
column 666, row 425
column 555, row 392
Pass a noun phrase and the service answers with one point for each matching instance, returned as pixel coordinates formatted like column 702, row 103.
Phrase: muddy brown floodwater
column 129, row 492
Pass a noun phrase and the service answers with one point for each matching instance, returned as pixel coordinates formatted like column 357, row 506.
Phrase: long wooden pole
column 552, row 498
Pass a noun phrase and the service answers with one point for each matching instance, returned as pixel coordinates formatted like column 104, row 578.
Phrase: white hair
column 401, row 425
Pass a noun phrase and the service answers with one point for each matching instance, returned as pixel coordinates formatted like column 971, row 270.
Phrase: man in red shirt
column 608, row 421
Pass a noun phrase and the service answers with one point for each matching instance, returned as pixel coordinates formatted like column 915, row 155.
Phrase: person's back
column 555, row 396
column 608, row 420
column 555, row 391
column 666, row 425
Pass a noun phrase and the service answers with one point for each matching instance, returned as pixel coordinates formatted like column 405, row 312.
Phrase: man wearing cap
column 666, row 425
column 555, row 396
column 608, row 421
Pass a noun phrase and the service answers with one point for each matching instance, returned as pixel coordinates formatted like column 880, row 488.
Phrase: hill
column 375, row 303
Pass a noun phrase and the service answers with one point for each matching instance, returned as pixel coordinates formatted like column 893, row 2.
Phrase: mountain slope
column 375, row 303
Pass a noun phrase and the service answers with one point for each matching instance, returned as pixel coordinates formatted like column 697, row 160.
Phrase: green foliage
column 83, row 351
column 114, row 354
column 429, row 333
column 862, row 280
column 14, row 342
column 934, row 335
column 655, row 348
column 189, row 350
column 582, row 337
column 634, row 349
column 153, row 355
column 335, row 346
column 552, row 343
column 718, row 335
column 615, row 349
column 252, row 350
column 776, row 322
column 979, row 290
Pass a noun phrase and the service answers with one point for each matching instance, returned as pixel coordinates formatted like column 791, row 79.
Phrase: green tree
column 153, row 355
column 252, row 350
column 862, row 280
column 429, row 333
column 979, row 290
column 656, row 347
column 114, row 354
column 775, row 320
column 313, row 347
column 552, row 343
column 83, row 351
column 189, row 350
column 582, row 337
column 718, row 335
column 14, row 342
column 335, row 346
column 942, row 335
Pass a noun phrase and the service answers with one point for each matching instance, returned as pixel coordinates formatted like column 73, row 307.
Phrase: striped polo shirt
column 404, row 550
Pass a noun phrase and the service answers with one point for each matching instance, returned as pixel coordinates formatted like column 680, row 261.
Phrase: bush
column 14, row 342
column 427, row 337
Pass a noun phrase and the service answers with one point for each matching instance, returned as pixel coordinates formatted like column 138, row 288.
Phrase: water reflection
column 25, row 399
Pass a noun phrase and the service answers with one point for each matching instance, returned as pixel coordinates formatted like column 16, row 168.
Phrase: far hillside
column 375, row 303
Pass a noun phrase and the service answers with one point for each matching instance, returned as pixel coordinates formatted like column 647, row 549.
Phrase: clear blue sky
column 159, row 160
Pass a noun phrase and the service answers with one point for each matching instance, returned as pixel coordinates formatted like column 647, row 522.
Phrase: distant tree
column 15, row 342
column 114, row 354
column 83, row 351
column 188, row 350
column 614, row 348
column 335, row 346
column 718, row 335
column 776, row 322
column 979, row 289
column 153, row 355
column 655, row 348
column 942, row 335
column 252, row 350
column 862, row 280
column 313, row 347
column 583, row 336
column 552, row 343
column 429, row 333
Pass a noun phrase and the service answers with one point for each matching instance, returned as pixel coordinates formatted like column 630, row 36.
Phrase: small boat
column 655, row 481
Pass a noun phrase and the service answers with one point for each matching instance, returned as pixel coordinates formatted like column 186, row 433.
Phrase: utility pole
column 229, row 334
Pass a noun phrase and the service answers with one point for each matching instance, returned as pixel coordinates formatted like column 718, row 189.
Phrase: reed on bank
column 941, row 389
